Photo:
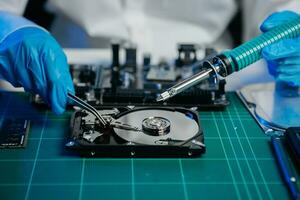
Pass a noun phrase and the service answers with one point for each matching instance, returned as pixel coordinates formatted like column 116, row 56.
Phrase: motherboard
column 131, row 83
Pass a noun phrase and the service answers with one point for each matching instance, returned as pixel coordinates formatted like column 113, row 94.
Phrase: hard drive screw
column 93, row 153
column 213, row 96
column 69, row 144
column 132, row 153
column 130, row 107
column 190, row 153
column 194, row 108
column 223, row 97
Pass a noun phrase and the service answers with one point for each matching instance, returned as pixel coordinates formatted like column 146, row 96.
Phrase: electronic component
column 115, row 67
column 159, row 132
column 186, row 54
column 130, row 62
column 13, row 133
column 146, row 61
column 146, row 97
column 86, row 77
column 161, row 73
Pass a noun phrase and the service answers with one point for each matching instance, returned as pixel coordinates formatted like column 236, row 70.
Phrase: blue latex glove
column 30, row 57
column 283, row 58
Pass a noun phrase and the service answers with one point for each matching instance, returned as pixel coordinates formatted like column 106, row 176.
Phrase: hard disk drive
column 137, row 132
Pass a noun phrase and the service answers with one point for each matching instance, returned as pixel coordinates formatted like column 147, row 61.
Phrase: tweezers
column 84, row 105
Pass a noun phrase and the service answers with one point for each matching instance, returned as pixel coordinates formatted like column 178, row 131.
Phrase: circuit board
column 136, row 84
column 129, row 83
column 13, row 132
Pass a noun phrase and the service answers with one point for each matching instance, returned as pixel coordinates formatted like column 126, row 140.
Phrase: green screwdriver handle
column 250, row 51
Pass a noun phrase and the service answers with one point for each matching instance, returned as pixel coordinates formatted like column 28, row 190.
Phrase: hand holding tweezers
column 82, row 104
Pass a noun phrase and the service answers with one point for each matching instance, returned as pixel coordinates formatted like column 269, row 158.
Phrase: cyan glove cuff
column 10, row 23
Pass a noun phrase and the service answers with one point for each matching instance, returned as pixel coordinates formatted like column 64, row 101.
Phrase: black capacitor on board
column 115, row 66
column 130, row 62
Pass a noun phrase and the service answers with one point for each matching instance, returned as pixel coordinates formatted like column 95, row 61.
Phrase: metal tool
column 84, row 105
column 285, row 168
column 105, row 120
column 120, row 125
column 187, row 83
column 236, row 59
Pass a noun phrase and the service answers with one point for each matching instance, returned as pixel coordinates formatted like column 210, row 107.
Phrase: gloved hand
column 30, row 57
column 283, row 57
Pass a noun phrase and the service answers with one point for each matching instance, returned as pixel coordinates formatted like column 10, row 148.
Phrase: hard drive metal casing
column 111, row 145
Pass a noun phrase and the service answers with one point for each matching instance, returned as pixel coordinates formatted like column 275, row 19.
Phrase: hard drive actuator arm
column 105, row 120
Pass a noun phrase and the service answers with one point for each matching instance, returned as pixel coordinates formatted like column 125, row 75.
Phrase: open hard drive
column 137, row 132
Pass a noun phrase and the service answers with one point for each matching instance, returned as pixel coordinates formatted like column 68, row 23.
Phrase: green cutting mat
column 239, row 164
